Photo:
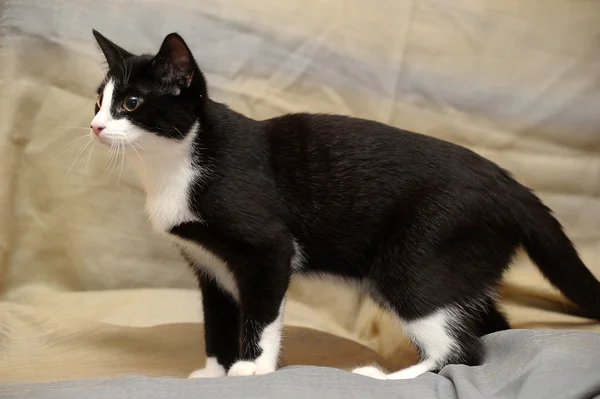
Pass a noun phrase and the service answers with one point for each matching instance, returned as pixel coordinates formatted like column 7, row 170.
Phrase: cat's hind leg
column 445, row 301
column 441, row 340
column 438, row 272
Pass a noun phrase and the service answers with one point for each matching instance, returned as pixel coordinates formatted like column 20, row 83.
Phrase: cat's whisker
column 69, row 129
column 109, row 154
column 122, row 70
column 128, row 75
column 77, row 157
column 87, row 162
column 126, row 70
column 139, row 156
column 125, row 74
column 70, row 126
column 109, row 159
column 122, row 143
column 106, row 166
column 178, row 131
column 139, row 145
column 78, row 138
column 72, row 144
column 118, row 149
column 115, row 159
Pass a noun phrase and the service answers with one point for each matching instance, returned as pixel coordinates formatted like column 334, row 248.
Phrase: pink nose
column 97, row 129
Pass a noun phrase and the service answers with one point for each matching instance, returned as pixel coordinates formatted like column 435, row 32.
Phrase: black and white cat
column 424, row 226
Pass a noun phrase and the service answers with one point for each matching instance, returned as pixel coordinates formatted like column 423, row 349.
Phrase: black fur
column 421, row 223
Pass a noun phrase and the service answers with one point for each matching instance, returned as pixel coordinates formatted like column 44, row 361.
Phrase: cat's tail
column 556, row 257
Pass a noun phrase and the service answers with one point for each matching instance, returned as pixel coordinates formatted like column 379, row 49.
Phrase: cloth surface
column 518, row 82
column 520, row 364
column 147, row 332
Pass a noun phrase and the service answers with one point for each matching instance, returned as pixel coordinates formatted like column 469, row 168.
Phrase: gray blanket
column 519, row 364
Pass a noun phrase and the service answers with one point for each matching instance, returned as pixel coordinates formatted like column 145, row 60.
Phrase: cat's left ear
column 174, row 63
column 113, row 53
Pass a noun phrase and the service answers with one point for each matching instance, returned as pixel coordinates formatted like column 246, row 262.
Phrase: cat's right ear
column 174, row 62
column 113, row 53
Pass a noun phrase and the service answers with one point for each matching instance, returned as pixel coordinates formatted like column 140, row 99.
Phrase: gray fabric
column 519, row 364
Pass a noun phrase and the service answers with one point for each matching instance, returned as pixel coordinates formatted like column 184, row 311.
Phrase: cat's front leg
column 262, row 299
column 221, row 329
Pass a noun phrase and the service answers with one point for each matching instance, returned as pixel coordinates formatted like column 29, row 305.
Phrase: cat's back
column 334, row 130
column 334, row 144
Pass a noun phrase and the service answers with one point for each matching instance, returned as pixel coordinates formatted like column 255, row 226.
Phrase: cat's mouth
column 111, row 140
column 101, row 137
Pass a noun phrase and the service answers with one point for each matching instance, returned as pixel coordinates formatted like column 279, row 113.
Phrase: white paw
column 244, row 367
column 370, row 371
column 207, row 373
column 212, row 370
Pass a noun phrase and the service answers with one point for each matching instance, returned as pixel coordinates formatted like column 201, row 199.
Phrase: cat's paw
column 207, row 372
column 211, row 370
column 244, row 367
column 370, row 371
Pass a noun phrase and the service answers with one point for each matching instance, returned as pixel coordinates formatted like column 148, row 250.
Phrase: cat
column 424, row 226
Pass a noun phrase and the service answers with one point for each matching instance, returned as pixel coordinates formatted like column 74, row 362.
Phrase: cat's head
column 146, row 96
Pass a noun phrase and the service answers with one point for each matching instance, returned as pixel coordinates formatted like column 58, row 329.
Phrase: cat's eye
column 131, row 103
column 99, row 100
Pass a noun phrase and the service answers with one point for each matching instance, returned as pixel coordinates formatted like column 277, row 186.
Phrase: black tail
column 556, row 257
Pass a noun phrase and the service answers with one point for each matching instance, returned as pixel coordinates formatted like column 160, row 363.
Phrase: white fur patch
column 104, row 117
column 211, row 264
column 412, row 371
column 270, row 343
column 431, row 333
column 242, row 368
column 167, row 173
column 211, row 369
column 370, row 371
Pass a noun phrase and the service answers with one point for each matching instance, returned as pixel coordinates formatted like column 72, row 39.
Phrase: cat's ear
column 113, row 53
column 174, row 63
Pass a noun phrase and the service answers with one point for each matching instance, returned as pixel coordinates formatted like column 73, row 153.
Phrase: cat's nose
column 97, row 129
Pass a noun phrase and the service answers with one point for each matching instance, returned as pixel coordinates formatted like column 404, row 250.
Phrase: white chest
column 168, row 201
column 167, row 173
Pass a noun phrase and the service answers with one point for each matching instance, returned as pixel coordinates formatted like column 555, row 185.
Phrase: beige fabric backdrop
column 517, row 81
